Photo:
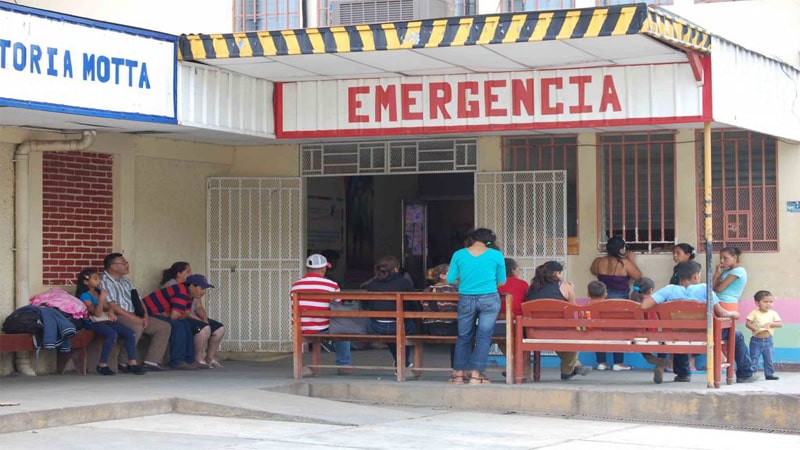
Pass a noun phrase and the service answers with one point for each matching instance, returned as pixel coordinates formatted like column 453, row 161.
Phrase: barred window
column 637, row 177
column 536, row 5
column 744, row 191
column 547, row 153
column 261, row 15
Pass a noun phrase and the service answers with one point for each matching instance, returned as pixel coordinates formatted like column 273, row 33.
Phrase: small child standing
column 762, row 322
column 598, row 292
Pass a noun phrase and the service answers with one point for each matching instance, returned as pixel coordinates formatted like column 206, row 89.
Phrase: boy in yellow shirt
column 762, row 323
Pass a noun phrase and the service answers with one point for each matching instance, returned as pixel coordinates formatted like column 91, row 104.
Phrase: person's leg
column 769, row 368
column 467, row 314
column 755, row 352
column 130, row 340
column 489, row 308
column 201, row 344
column 160, row 332
column 744, row 368
column 135, row 325
column 386, row 328
column 411, row 328
column 569, row 360
column 217, row 334
column 177, row 340
column 680, row 365
column 601, row 360
column 109, row 338
column 619, row 358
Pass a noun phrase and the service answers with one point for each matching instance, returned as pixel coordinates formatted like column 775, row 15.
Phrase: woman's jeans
column 391, row 328
column 110, row 331
column 477, row 315
column 762, row 347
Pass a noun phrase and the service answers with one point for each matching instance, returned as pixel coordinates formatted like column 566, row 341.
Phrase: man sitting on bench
column 690, row 288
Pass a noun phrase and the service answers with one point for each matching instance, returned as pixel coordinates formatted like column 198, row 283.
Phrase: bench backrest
column 556, row 314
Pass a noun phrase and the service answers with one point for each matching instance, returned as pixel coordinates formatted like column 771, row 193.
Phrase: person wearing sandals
column 103, row 322
column 208, row 333
column 478, row 268
column 548, row 283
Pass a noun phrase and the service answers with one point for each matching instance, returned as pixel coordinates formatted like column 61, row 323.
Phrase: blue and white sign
column 66, row 64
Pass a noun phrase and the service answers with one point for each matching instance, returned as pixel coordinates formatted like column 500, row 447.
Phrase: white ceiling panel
column 331, row 64
column 275, row 70
column 618, row 47
column 545, row 54
column 396, row 60
column 478, row 58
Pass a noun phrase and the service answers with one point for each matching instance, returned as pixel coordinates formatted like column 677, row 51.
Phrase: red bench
column 79, row 343
column 619, row 326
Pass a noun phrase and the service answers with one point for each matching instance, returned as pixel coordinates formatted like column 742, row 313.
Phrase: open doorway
column 356, row 220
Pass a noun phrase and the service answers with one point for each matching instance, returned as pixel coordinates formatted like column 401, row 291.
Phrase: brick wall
column 76, row 214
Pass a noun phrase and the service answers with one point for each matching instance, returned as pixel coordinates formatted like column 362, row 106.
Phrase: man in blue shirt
column 690, row 288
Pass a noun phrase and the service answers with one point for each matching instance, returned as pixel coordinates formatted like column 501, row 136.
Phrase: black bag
column 138, row 308
column 27, row 319
column 347, row 325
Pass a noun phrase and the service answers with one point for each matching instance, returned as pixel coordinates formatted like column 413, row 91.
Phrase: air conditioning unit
column 350, row 12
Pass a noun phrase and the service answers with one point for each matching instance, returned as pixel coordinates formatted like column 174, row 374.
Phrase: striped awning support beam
column 452, row 32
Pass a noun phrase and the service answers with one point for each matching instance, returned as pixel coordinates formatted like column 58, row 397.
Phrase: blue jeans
column 342, row 349
column 477, row 315
column 619, row 358
column 762, row 347
column 744, row 368
column 110, row 331
column 391, row 328
column 181, row 341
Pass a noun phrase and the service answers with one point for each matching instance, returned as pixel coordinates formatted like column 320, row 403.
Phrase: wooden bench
column 79, row 343
column 676, row 327
column 401, row 339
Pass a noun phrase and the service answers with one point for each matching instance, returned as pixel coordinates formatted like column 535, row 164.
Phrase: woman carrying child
column 103, row 322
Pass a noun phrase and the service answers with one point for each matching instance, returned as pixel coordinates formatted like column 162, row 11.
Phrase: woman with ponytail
column 478, row 268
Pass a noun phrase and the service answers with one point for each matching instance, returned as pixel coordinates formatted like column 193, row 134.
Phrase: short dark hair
column 686, row 270
column 109, row 260
column 761, row 294
column 597, row 289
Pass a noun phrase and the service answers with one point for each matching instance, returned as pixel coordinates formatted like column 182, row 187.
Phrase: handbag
column 347, row 325
column 138, row 308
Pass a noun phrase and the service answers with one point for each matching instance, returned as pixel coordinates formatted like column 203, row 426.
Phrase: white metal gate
column 255, row 250
column 528, row 212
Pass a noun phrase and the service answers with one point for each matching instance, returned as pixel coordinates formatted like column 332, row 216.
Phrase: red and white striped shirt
column 313, row 282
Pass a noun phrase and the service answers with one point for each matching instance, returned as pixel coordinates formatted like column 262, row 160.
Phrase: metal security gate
column 528, row 212
column 255, row 250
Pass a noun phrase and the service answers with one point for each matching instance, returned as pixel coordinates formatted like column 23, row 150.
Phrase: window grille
column 637, row 177
column 537, row 5
column 396, row 157
column 524, row 153
column 744, row 191
column 261, row 15
column 466, row 7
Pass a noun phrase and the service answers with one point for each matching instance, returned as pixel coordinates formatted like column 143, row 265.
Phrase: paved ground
column 259, row 405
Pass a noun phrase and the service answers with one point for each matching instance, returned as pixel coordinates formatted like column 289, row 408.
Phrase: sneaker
column 135, row 369
column 201, row 365
column 579, row 370
column 153, row 367
column 619, row 367
column 658, row 370
column 750, row 379
column 682, row 379
column 105, row 370
column 122, row 368
column 602, row 366
column 214, row 364
column 771, row 377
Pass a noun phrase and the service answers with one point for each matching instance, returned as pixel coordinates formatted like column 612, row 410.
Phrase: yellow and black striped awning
column 453, row 32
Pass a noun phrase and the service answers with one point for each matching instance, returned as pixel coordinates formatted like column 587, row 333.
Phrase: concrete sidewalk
column 266, row 391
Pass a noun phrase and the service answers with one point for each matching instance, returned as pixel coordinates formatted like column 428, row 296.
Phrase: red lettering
column 522, row 95
column 581, row 107
column 408, row 101
column 386, row 99
column 441, row 94
column 490, row 98
column 548, row 108
column 610, row 96
column 467, row 109
column 354, row 104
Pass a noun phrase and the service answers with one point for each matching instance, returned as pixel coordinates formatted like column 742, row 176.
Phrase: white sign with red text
column 542, row 99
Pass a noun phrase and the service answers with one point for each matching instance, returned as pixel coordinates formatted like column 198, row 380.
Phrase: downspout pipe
column 21, row 203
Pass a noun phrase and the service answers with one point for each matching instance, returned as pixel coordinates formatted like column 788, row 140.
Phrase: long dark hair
column 546, row 273
column 173, row 271
column 484, row 235
column 80, row 283
column 385, row 267
column 614, row 247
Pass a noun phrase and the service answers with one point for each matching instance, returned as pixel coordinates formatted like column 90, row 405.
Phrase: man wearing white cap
column 315, row 281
